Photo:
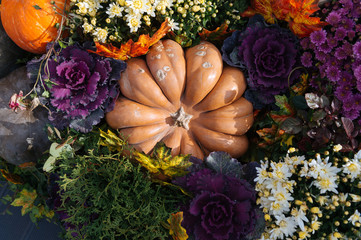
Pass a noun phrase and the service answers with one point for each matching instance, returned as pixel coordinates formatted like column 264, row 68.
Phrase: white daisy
column 134, row 22
column 101, row 34
column 87, row 27
column 287, row 225
column 300, row 217
column 354, row 217
column 279, row 207
column 262, row 173
column 281, row 171
column 276, row 233
column 114, row 10
column 353, row 168
column 137, row 6
column 173, row 25
column 281, row 194
column 326, row 183
column 83, row 7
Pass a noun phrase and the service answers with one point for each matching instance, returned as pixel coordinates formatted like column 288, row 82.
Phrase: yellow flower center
column 352, row 167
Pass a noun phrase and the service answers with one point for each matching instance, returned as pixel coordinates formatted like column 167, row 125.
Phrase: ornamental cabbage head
column 83, row 86
column 269, row 54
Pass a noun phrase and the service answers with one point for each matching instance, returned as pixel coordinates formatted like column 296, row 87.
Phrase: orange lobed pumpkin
column 189, row 101
column 31, row 24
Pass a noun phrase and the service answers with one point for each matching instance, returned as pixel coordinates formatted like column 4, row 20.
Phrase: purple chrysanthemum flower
column 333, row 73
column 343, row 92
column 340, row 54
column 332, row 42
column 348, row 24
column 306, row 59
column 357, row 102
column 351, row 35
column 357, row 74
column 348, row 103
column 305, row 43
column 324, row 47
column 321, row 56
column 340, row 33
column 333, row 18
column 347, row 48
column 318, row 37
column 356, row 49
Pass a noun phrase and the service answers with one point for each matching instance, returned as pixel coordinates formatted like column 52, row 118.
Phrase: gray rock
column 23, row 136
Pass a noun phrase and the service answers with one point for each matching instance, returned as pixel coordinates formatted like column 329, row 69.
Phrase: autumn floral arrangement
column 301, row 175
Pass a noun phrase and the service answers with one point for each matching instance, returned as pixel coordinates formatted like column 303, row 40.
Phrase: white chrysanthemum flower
column 337, row 148
column 279, row 207
column 166, row 3
column 326, row 183
column 94, row 5
column 353, row 168
column 355, row 198
column 101, row 34
column 287, row 225
column 83, row 7
column 358, row 155
column 114, row 10
column 137, row 6
column 281, row 171
column 276, row 233
column 315, row 225
column 280, row 194
column 134, row 22
column 265, row 202
column 262, row 173
column 354, row 217
column 295, row 160
column 87, row 27
column 173, row 25
column 300, row 217
column 304, row 170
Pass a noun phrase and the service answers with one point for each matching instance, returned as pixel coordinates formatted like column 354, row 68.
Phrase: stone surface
column 23, row 136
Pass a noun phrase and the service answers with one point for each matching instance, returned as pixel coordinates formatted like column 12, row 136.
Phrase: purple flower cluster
column 83, row 87
column 336, row 51
column 269, row 54
column 223, row 207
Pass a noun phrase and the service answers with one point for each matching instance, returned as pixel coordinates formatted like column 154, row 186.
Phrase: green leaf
column 61, row 44
column 46, row 94
column 37, row 7
column 25, row 200
column 111, row 141
column 161, row 164
column 283, row 104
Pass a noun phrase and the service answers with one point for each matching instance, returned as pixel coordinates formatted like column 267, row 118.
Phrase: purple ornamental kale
column 84, row 87
column 224, row 206
column 269, row 54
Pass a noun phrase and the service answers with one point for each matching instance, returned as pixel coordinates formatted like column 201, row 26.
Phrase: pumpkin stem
column 181, row 118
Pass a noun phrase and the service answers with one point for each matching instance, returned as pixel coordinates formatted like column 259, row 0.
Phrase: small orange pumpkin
column 191, row 103
column 31, row 24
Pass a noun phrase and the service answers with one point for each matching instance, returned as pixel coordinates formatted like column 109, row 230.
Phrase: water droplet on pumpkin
column 159, row 48
column 170, row 55
column 207, row 65
column 161, row 75
column 168, row 50
column 201, row 47
column 201, row 53
column 141, row 70
column 166, row 68
column 157, row 56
